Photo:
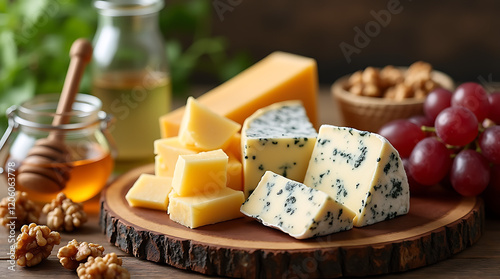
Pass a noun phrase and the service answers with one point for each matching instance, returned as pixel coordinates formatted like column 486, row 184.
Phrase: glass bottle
column 130, row 74
column 86, row 137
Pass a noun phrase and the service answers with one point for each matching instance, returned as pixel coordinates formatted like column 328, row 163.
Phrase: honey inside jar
column 87, row 176
column 88, row 158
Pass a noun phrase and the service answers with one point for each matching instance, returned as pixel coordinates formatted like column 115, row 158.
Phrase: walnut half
column 34, row 244
column 73, row 254
column 107, row 267
column 17, row 210
column 64, row 214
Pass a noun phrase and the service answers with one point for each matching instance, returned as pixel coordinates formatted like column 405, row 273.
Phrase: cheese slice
column 150, row 191
column 201, row 210
column 204, row 129
column 278, row 138
column 168, row 151
column 201, row 173
column 298, row 210
column 278, row 77
column 361, row 170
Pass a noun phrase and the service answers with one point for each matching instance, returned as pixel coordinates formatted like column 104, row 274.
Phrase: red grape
column 472, row 95
column 437, row 101
column 429, row 161
column 415, row 187
column 489, row 141
column 403, row 135
column 470, row 173
column 494, row 112
column 422, row 120
column 456, row 126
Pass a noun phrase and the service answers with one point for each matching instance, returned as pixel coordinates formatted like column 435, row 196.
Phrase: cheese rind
column 150, row 191
column 278, row 138
column 201, row 210
column 298, row 210
column 361, row 170
column 278, row 77
column 204, row 129
column 200, row 173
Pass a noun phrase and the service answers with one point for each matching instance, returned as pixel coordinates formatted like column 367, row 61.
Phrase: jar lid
column 128, row 7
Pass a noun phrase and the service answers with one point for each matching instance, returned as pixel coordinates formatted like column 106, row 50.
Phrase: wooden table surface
column 479, row 261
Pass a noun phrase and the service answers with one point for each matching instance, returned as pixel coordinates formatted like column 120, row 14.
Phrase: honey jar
column 90, row 147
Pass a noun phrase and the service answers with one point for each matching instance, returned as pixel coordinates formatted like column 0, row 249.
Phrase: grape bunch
column 456, row 142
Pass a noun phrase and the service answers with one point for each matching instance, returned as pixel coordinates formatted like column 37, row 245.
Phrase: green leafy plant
column 35, row 37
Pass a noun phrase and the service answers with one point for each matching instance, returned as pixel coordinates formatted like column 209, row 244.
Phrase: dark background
column 460, row 38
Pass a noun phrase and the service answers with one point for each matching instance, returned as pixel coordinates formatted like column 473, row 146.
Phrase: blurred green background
column 35, row 38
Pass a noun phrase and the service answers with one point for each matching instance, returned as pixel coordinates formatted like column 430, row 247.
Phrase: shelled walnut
column 34, row 244
column 107, row 267
column 18, row 210
column 393, row 83
column 75, row 253
column 64, row 214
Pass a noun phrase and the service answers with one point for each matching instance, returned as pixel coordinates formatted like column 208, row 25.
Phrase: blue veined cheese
column 361, row 170
column 278, row 138
column 298, row 210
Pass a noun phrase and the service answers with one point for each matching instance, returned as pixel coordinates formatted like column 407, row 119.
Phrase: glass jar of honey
column 89, row 145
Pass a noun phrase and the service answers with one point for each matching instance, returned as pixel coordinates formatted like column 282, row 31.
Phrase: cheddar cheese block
column 298, row 210
column 278, row 77
column 278, row 138
column 361, row 170
column 204, row 129
column 210, row 208
column 201, row 173
column 150, row 191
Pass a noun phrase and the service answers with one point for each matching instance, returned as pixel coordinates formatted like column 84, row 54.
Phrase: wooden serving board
column 438, row 226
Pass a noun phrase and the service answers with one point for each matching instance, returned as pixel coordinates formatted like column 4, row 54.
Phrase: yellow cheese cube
column 278, row 77
column 205, row 209
column 168, row 151
column 234, row 146
column 160, row 167
column 205, row 129
column 150, row 191
column 200, row 173
column 234, row 173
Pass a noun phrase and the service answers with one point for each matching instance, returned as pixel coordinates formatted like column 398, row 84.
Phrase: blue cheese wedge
column 278, row 138
column 361, row 170
column 298, row 210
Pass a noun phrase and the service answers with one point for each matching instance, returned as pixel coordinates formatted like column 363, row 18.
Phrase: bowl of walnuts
column 372, row 97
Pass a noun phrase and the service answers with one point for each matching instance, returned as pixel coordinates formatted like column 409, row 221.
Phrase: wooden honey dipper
column 36, row 172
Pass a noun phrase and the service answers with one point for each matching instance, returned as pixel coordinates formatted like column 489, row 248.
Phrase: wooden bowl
column 371, row 113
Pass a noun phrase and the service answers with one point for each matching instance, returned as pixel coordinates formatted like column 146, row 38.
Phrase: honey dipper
column 36, row 172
